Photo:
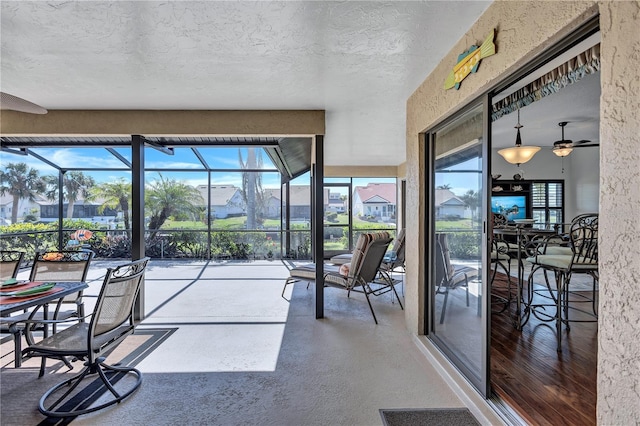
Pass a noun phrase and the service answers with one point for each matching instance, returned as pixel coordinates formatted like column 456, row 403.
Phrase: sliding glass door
column 458, row 289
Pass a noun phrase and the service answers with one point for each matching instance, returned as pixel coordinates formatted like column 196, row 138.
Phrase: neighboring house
column 226, row 200
column 376, row 199
column 82, row 209
column 449, row 205
column 46, row 210
column 333, row 202
column 271, row 203
column 25, row 207
column 300, row 203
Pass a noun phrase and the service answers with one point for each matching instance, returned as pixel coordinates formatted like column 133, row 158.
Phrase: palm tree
column 20, row 181
column 252, row 186
column 472, row 199
column 169, row 197
column 115, row 195
column 445, row 186
column 76, row 185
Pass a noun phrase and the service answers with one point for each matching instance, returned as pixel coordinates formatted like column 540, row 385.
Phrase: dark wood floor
column 545, row 387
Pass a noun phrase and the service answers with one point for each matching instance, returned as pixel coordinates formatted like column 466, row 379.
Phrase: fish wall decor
column 469, row 60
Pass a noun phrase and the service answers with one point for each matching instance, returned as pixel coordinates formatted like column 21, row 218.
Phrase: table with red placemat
column 14, row 303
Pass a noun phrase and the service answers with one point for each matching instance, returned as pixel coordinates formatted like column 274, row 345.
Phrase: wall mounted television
column 511, row 206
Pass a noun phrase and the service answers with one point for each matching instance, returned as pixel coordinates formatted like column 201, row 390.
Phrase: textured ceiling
column 359, row 61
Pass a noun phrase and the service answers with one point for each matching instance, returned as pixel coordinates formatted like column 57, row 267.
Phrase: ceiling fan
column 14, row 103
column 563, row 147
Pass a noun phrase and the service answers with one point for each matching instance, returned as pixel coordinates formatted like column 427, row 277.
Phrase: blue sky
column 469, row 176
column 184, row 158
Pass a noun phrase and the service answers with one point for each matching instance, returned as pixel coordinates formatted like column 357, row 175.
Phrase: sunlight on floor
column 229, row 317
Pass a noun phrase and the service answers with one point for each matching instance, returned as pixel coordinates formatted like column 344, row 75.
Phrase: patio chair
column 393, row 259
column 358, row 276
column 581, row 257
column 10, row 264
column 111, row 322
column 448, row 275
column 50, row 266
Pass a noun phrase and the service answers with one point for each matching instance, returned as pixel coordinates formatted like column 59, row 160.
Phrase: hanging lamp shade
column 518, row 154
column 562, row 152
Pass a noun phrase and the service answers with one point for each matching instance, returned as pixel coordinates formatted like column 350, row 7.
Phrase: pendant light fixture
column 518, row 154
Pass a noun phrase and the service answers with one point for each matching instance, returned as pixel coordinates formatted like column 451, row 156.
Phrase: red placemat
column 7, row 300
column 24, row 286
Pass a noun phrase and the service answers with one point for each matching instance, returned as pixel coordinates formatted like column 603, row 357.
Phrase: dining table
column 527, row 237
column 10, row 303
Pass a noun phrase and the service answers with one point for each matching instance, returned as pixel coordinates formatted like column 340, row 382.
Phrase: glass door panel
column 458, row 320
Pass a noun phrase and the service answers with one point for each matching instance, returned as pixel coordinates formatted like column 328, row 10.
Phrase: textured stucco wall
column 619, row 321
column 524, row 30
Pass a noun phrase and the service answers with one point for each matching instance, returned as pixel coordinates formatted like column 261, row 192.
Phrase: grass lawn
column 227, row 223
column 453, row 224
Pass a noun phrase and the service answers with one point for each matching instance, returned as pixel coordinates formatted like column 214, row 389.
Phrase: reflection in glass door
column 337, row 219
column 458, row 317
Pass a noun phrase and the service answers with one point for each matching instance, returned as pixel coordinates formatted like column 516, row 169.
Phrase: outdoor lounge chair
column 359, row 276
column 111, row 322
column 392, row 260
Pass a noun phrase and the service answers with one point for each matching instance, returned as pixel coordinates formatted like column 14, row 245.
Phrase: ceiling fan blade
column 586, row 145
column 580, row 142
column 14, row 103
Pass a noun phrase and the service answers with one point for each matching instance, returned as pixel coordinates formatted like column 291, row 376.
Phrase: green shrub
column 465, row 245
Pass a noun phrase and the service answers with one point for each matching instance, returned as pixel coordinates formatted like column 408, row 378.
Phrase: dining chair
column 111, row 322
column 50, row 266
column 580, row 257
column 10, row 262
column 66, row 265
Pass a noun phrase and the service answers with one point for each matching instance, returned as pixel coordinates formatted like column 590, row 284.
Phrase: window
column 547, row 201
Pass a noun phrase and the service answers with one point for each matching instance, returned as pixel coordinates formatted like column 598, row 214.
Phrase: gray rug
column 428, row 417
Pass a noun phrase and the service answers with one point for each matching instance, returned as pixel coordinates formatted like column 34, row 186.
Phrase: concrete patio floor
column 236, row 352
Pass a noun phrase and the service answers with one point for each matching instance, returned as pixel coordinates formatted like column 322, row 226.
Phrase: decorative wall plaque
column 469, row 60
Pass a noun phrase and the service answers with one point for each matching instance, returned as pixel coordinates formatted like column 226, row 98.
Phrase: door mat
column 428, row 417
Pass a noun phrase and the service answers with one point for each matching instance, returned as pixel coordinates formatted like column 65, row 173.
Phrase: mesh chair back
column 113, row 315
column 10, row 264
column 372, row 259
column 61, row 266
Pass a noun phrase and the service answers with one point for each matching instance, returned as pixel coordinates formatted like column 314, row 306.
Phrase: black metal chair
column 111, row 322
column 50, row 266
column 500, row 259
column 10, row 264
